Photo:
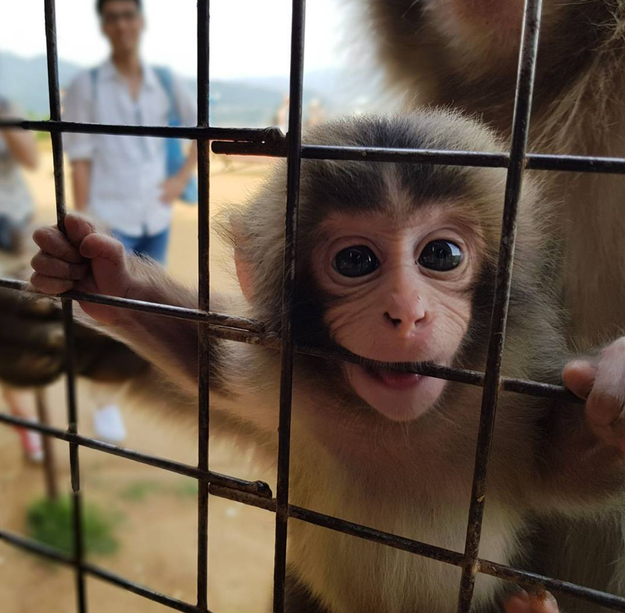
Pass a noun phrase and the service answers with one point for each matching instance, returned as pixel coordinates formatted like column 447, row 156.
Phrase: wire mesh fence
column 271, row 142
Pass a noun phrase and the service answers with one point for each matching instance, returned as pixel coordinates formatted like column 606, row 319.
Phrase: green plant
column 50, row 522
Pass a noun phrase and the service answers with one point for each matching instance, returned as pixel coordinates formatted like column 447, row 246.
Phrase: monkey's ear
column 230, row 226
column 244, row 274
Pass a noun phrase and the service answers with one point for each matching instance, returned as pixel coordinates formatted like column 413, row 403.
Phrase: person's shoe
column 109, row 424
column 32, row 445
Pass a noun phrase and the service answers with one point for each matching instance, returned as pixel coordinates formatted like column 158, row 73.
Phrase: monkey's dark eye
column 356, row 261
column 440, row 255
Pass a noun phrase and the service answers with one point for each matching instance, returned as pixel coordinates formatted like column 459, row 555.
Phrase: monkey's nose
column 392, row 320
column 405, row 312
column 403, row 326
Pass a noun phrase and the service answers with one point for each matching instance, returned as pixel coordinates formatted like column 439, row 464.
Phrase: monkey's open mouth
column 398, row 396
column 394, row 380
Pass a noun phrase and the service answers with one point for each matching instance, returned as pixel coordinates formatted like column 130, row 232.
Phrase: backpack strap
column 167, row 81
column 93, row 74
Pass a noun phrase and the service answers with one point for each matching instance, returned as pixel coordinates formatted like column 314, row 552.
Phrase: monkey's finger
column 543, row 602
column 606, row 402
column 53, row 242
column 50, row 285
column 54, row 267
column 78, row 228
column 607, row 398
column 579, row 377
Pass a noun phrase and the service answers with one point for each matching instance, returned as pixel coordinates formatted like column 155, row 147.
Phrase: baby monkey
column 396, row 263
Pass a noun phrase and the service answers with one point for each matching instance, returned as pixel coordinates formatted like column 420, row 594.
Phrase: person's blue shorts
column 154, row 246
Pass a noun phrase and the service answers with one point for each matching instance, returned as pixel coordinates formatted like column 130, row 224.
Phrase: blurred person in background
column 18, row 149
column 316, row 113
column 281, row 117
column 124, row 181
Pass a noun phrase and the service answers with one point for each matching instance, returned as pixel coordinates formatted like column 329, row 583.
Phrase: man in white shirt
column 122, row 180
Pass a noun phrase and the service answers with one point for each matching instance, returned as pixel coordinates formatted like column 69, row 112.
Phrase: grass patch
column 139, row 490
column 188, row 488
column 50, row 522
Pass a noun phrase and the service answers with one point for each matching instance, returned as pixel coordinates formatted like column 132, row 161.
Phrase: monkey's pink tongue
column 398, row 380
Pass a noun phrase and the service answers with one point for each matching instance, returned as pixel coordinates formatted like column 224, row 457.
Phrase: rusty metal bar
column 155, row 308
column 534, row 580
column 255, row 488
column 52, row 554
column 204, row 338
column 254, row 135
column 244, row 330
column 492, row 379
column 534, row 161
column 72, row 411
column 294, row 142
column 49, row 463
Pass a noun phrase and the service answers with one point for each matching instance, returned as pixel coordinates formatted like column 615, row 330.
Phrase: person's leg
column 19, row 404
column 156, row 246
column 108, row 422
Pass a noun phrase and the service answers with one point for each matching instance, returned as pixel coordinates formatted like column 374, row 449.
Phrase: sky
column 249, row 38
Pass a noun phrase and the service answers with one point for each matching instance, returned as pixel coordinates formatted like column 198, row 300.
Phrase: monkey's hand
column 86, row 260
column 601, row 382
column 89, row 261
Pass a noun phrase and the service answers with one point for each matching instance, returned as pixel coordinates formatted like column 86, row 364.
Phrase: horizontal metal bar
column 534, row 161
column 447, row 556
column 402, row 156
column 34, row 547
column 377, row 536
column 271, row 142
column 216, row 319
column 251, row 332
column 575, row 163
column 256, row 135
column 533, row 580
column 258, row 488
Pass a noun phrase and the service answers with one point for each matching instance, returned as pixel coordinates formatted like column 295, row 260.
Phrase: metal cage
column 271, row 142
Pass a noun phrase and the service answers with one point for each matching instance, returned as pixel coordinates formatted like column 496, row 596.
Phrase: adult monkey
column 464, row 53
column 398, row 262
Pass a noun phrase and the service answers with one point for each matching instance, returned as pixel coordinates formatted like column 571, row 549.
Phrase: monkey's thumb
column 579, row 377
column 100, row 246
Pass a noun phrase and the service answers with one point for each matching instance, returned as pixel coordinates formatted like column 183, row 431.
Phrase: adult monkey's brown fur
column 463, row 53
column 394, row 453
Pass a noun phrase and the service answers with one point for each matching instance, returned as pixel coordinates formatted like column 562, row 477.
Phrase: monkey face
column 398, row 290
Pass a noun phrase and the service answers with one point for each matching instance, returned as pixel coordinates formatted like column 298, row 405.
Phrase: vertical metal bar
column 294, row 154
column 59, row 185
column 49, row 464
column 204, row 340
column 492, row 380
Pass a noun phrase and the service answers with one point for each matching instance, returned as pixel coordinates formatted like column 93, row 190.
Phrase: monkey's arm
column 168, row 343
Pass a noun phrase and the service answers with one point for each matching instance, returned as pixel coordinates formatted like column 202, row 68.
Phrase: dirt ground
column 155, row 511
